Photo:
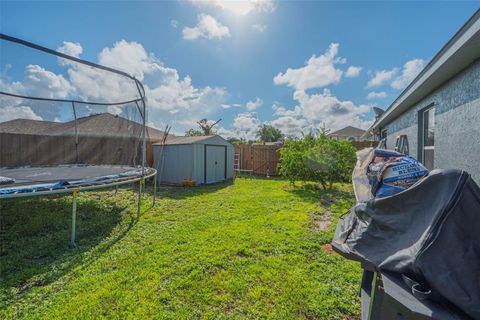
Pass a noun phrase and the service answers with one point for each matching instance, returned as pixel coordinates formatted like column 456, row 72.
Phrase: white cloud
column 73, row 49
column 382, row 77
column 353, row 72
column 398, row 78
column 172, row 99
column 174, row 23
column 259, row 27
column 316, row 110
column 8, row 113
column 325, row 108
column 318, row 71
column 130, row 57
column 207, row 27
column 245, row 125
column 233, row 105
column 290, row 125
column 376, row 95
column 39, row 82
column 226, row 133
column 252, row 105
column 44, row 83
column 409, row 71
column 240, row 8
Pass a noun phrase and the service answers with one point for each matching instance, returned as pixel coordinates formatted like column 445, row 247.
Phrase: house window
column 428, row 137
column 383, row 139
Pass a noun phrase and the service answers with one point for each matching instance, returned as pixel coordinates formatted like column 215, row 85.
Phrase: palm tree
column 268, row 133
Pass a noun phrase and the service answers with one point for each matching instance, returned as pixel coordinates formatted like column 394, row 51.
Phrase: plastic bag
column 380, row 173
column 391, row 172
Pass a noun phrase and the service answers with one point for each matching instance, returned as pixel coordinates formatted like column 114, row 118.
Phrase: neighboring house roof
column 27, row 126
column 186, row 140
column 101, row 125
column 347, row 132
column 458, row 53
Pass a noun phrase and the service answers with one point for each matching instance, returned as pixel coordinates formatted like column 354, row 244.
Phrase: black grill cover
column 430, row 233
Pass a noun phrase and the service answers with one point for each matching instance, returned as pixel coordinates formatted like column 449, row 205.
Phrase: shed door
column 214, row 164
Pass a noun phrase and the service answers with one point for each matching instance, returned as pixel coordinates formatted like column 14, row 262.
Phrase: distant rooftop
column 347, row 132
column 102, row 124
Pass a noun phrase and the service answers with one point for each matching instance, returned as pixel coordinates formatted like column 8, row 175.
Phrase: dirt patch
column 323, row 221
column 327, row 248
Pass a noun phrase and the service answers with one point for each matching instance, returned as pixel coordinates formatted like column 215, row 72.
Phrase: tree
column 207, row 127
column 234, row 140
column 292, row 154
column 268, row 133
column 193, row 132
column 321, row 159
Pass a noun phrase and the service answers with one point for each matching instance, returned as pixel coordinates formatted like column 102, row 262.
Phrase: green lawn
column 247, row 250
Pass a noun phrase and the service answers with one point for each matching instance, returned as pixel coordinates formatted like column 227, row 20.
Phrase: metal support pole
column 74, row 216
column 76, row 133
column 140, row 185
column 154, row 188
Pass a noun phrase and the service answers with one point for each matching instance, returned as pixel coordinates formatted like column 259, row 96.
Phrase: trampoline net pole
column 154, row 188
column 76, row 132
column 74, row 216
column 141, row 182
column 144, row 142
column 141, row 92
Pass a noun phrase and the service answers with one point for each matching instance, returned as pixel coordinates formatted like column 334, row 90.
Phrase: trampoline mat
column 25, row 176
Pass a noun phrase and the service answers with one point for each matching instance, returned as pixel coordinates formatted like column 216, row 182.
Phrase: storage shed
column 204, row 159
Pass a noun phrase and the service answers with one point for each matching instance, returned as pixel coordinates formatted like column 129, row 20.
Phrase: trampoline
column 88, row 145
column 37, row 181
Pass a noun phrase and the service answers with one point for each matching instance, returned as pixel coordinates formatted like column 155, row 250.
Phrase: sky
column 296, row 65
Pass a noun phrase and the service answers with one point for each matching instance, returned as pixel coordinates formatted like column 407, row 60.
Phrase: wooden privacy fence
column 264, row 159
column 35, row 150
column 257, row 159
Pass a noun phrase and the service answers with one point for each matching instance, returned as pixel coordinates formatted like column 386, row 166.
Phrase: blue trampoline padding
column 36, row 186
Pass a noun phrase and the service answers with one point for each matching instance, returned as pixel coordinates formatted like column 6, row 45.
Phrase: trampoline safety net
column 65, row 120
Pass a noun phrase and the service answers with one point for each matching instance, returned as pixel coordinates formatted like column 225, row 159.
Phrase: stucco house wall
column 457, row 123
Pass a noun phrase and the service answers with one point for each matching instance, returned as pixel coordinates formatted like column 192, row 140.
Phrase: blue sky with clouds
column 296, row 65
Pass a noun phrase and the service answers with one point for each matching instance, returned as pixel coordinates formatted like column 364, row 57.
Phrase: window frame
column 421, row 133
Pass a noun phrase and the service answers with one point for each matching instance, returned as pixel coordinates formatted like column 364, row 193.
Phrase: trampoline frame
column 74, row 189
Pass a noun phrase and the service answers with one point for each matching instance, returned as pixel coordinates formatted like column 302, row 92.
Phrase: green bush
column 321, row 159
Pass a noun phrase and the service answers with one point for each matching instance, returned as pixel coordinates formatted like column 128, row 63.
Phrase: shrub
column 321, row 159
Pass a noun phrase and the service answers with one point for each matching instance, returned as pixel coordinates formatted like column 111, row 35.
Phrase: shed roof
column 348, row 131
column 458, row 53
column 175, row 140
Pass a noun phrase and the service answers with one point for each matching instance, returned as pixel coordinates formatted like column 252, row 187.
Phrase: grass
column 247, row 250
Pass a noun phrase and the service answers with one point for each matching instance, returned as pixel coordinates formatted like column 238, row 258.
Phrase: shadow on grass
column 314, row 193
column 179, row 192
column 35, row 237
column 259, row 177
